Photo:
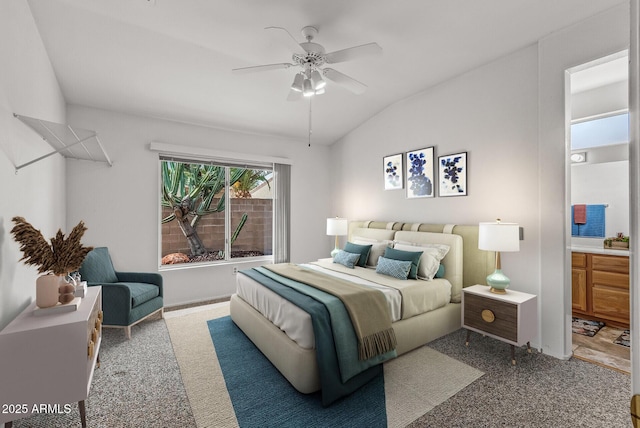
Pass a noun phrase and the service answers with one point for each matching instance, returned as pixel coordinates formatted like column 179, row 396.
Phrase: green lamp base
column 334, row 252
column 498, row 282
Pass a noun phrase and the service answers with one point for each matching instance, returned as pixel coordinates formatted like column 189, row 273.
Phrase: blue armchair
column 127, row 297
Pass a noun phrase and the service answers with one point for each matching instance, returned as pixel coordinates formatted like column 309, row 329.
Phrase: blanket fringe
column 377, row 344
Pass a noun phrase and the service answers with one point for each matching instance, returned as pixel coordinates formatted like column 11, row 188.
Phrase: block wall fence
column 256, row 234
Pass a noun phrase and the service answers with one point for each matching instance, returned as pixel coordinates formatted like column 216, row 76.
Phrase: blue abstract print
column 419, row 173
column 453, row 175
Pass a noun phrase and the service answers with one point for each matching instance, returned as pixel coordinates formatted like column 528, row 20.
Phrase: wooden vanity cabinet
column 600, row 287
column 579, row 281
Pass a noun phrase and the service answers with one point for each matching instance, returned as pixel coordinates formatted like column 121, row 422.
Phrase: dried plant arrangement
column 60, row 257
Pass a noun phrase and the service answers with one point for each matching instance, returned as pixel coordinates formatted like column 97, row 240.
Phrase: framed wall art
column 453, row 174
column 393, row 172
column 420, row 179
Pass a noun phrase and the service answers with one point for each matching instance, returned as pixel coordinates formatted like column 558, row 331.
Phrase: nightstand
column 511, row 317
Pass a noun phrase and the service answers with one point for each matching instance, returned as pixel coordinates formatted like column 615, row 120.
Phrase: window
column 604, row 131
column 215, row 212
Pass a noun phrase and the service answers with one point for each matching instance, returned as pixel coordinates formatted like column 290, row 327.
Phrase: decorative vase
column 47, row 290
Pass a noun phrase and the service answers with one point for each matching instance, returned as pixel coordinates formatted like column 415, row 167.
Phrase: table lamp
column 336, row 226
column 498, row 237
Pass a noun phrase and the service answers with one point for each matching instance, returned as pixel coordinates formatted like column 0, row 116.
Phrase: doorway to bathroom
column 599, row 177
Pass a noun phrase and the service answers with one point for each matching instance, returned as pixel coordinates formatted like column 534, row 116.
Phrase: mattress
column 405, row 298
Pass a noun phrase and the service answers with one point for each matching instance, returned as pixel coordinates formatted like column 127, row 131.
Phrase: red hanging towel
column 580, row 214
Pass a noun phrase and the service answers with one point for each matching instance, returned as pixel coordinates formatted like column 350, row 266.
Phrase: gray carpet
column 139, row 385
column 540, row 391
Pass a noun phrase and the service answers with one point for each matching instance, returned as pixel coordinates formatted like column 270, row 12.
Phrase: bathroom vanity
column 600, row 285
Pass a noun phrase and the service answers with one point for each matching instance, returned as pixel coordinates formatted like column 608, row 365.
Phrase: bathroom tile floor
column 601, row 350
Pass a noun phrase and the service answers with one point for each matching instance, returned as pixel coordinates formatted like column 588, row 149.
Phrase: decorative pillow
column 440, row 273
column 432, row 254
column 412, row 256
column 395, row 268
column 346, row 258
column 377, row 249
column 363, row 250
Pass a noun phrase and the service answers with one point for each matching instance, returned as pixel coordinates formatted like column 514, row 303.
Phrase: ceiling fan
column 311, row 57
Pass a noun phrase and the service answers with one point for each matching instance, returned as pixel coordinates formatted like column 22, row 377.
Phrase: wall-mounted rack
column 70, row 142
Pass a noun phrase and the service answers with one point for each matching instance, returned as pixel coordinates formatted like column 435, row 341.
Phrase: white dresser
column 47, row 361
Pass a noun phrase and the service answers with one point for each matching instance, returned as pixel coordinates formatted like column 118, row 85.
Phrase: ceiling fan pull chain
column 310, row 98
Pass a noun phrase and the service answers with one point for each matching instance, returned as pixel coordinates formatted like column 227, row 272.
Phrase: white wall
column 634, row 180
column 510, row 117
column 120, row 204
column 602, row 35
column 27, row 86
column 489, row 112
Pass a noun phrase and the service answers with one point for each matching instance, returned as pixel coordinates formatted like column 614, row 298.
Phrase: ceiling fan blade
column 285, row 38
column 266, row 67
column 353, row 53
column 294, row 95
column 342, row 79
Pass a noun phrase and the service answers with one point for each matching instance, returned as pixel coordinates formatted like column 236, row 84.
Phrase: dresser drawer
column 611, row 279
column 578, row 260
column 611, row 303
column 94, row 330
column 610, row 263
column 491, row 316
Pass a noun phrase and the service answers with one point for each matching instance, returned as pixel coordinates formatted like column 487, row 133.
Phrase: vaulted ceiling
column 172, row 59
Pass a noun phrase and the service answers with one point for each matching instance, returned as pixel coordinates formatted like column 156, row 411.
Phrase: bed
column 284, row 334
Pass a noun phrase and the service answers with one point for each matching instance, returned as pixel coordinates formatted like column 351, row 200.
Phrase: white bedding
column 419, row 297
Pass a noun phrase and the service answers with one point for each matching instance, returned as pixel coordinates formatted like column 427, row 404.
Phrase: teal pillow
column 440, row 272
column 346, row 259
column 395, row 268
column 412, row 256
column 363, row 250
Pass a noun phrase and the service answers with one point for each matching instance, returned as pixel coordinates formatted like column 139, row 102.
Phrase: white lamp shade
column 318, row 81
column 307, row 88
column 499, row 236
column 297, row 82
column 337, row 226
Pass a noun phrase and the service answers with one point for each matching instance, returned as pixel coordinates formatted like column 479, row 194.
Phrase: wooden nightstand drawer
column 510, row 317
column 491, row 316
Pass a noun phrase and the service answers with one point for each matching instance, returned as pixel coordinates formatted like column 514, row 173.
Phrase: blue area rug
column 262, row 397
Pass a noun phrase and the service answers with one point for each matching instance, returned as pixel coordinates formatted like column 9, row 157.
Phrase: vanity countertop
column 599, row 250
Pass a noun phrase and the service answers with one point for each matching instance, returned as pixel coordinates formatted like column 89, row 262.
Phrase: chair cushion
column 141, row 292
column 97, row 266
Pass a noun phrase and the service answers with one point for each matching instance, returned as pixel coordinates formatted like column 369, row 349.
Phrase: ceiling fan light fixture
column 297, row 83
column 307, row 90
column 318, row 81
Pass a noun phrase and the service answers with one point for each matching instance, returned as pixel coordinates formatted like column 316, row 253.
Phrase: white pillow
column 432, row 254
column 377, row 249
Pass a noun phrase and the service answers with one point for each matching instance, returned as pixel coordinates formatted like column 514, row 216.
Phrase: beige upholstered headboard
column 477, row 264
